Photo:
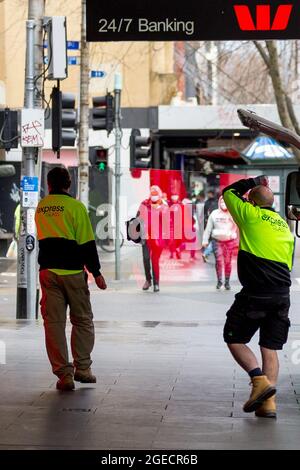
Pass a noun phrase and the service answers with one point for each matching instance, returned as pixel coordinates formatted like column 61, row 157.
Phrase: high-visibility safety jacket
column 65, row 234
column 266, row 243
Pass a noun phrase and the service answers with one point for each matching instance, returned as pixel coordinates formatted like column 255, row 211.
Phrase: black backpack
column 134, row 230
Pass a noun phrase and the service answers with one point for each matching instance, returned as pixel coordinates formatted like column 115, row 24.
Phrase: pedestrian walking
column 66, row 248
column 264, row 264
column 151, row 213
column 221, row 232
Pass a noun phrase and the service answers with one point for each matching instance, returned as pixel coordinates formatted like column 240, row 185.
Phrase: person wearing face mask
column 264, row 265
column 176, row 222
column 151, row 212
column 222, row 231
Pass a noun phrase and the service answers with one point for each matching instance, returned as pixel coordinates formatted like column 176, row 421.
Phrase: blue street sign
column 74, row 60
column 98, row 74
column 30, row 183
column 73, row 45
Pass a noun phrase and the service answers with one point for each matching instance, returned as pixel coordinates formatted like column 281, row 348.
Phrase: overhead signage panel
column 190, row 20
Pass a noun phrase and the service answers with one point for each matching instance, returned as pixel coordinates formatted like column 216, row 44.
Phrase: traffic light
column 140, row 150
column 103, row 113
column 64, row 119
column 8, row 129
column 98, row 157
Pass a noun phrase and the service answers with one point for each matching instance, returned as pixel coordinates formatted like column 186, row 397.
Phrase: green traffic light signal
column 102, row 166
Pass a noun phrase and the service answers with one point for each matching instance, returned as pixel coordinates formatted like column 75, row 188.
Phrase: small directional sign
column 98, row 74
column 73, row 45
column 73, row 60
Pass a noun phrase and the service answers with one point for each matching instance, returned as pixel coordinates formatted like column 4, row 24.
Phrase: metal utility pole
column 83, row 170
column 27, row 247
column 118, row 133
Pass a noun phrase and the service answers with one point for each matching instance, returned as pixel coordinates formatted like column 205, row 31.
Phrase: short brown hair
column 58, row 179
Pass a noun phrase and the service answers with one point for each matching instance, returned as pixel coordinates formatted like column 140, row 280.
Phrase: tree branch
column 262, row 53
column 292, row 114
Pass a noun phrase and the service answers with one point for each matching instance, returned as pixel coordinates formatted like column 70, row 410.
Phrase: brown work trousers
column 59, row 292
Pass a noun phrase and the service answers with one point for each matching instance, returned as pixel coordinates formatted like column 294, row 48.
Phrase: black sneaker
column 156, row 288
column 227, row 285
column 219, row 285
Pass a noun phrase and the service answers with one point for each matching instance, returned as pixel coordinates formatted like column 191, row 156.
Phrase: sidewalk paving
column 165, row 378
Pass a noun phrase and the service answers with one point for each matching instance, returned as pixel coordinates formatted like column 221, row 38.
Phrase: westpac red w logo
column 262, row 21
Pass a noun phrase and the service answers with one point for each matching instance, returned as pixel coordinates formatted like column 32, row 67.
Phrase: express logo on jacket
column 48, row 210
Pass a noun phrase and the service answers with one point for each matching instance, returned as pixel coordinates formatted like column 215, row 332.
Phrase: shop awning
column 265, row 148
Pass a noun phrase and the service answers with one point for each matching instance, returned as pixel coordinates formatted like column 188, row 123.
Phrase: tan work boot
column 65, row 384
column 267, row 409
column 261, row 391
column 85, row 376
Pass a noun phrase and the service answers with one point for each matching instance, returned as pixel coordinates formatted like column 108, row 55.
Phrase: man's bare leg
column 244, row 356
column 270, row 364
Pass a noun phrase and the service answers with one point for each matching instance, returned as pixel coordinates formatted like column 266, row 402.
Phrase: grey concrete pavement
column 165, row 377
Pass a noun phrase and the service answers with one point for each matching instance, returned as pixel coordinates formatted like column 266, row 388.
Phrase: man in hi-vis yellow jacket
column 264, row 265
column 66, row 247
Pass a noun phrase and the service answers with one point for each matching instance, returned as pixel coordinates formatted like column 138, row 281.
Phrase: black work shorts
column 267, row 314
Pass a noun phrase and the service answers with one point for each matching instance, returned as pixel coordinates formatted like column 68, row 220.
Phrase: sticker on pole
column 32, row 128
column 30, row 194
column 30, row 222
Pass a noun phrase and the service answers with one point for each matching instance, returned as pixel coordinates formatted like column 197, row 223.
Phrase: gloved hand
column 261, row 180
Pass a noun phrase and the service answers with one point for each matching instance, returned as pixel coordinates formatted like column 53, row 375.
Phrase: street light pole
column 83, row 144
column 118, row 133
column 27, row 258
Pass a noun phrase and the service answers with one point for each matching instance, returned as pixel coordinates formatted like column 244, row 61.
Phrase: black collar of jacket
column 59, row 192
column 269, row 209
